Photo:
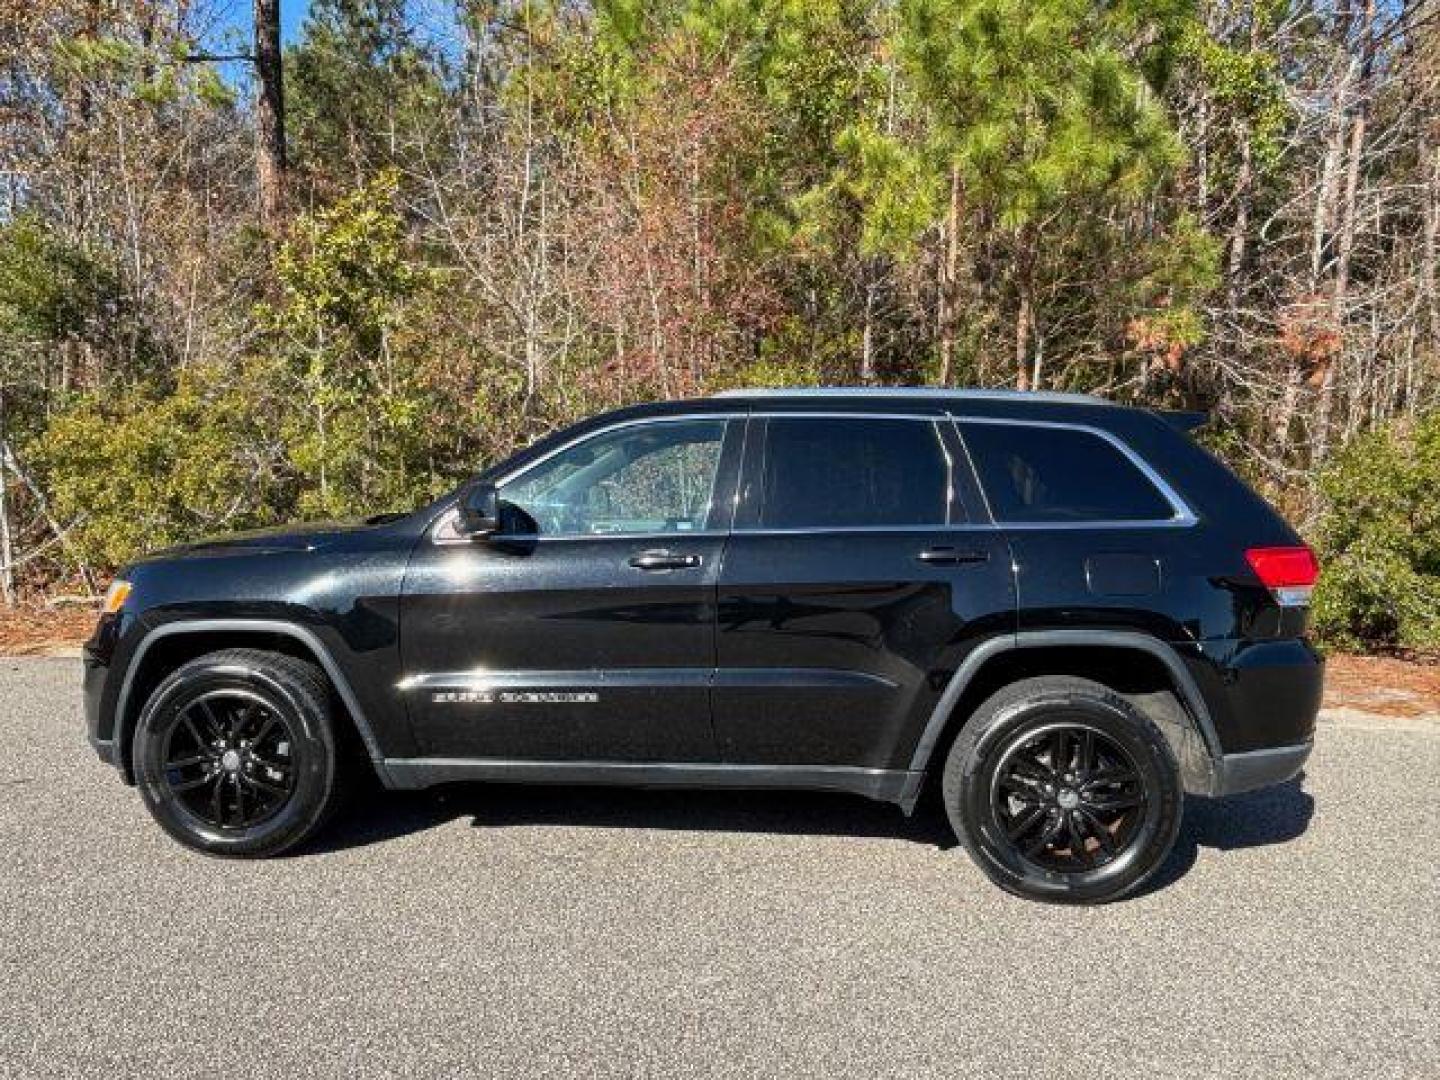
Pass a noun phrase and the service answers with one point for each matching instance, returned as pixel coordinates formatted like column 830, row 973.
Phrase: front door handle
column 949, row 556
column 664, row 560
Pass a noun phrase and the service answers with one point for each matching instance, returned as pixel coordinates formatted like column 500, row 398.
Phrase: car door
column 853, row 585
column 591, row 639
column 1099, row 538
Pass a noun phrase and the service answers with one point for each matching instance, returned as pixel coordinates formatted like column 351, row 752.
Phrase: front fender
column 340, row 607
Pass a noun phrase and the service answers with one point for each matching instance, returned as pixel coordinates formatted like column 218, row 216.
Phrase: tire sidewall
column 312, row 752
column 971, row 773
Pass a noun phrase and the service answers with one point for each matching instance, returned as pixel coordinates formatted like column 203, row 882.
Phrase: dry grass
column 27, row 630
column 1392, row 686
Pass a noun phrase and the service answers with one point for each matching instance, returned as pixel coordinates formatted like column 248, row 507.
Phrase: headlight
column 115, row 597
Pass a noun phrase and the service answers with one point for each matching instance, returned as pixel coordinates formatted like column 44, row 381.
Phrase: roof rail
column 916, row 391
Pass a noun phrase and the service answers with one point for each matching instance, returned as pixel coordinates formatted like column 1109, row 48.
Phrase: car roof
column 927, row 393
column 1035, row 406
column 1039, row 405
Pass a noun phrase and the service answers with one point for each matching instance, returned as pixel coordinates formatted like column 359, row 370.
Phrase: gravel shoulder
column 538, row 931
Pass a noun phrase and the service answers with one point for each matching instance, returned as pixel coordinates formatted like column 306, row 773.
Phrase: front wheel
column 1062, row 790
column 235, row 753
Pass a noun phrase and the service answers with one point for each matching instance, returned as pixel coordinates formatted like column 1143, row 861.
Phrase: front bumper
column 104, row 749
column 1235, row 773
column 98, row 689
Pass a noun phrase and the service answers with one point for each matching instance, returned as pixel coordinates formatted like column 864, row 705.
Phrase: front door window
column 657, row 477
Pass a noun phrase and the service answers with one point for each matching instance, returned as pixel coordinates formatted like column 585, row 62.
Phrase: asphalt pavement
column 507, row 931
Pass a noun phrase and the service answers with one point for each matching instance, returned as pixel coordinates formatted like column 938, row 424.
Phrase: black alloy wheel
column 1068, row 798
column 235, row 752
column 227, row 759
column 1063, row 790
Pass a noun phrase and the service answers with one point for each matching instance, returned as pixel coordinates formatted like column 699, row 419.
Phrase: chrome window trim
column 934, row 419
column 676, row 418
column 974, row 526
column 447, row 517
column 616, row 426
column 824, row 530
column 1182, row 516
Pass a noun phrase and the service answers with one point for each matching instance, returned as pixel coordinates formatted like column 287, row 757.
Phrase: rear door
column 854, row 582
column 1099, row 538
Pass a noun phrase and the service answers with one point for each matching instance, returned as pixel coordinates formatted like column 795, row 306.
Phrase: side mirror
column 479, row 510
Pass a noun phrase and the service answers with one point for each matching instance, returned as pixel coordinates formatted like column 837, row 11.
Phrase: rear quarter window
column 1036, row 473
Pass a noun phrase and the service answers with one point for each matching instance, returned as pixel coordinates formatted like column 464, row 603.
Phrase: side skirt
column 883, row 785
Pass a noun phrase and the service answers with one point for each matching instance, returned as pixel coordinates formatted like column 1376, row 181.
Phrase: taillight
column 1288, row 572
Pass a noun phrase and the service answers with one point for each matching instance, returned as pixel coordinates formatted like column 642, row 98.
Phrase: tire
column 235, row 753
column 1041, row 819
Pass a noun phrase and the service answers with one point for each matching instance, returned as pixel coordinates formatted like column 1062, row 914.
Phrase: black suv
column 1061, row 613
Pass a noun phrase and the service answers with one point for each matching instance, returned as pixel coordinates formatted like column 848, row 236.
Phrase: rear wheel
column 235, row 753
column 1062, row 790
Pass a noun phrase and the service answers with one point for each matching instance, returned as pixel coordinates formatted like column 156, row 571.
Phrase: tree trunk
column 950, row 281
column 1202, row 158
column 1328, row 188
column 7, row 553
column 1022, row 339
column 1240, row 226
column 9, row 460
column 269, row 113
column 1430, row 253
column 1345, row 247
column 867, row 339
column 1026, row 257
column 1322, row 224
column 1285, row 411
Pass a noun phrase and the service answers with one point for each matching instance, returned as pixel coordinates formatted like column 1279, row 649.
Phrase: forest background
column 246, row 278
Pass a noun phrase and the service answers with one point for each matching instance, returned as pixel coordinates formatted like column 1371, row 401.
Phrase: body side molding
column 884, row 785
column 1033, row 639
column 302, row 634
column 644, row 679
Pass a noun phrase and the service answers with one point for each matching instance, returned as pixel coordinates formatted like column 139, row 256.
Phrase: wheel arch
column 1161, row 686
column 166, row 647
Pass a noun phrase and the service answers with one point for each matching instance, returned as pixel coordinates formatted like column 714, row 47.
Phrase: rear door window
column 1037, row 473
column 854, row 472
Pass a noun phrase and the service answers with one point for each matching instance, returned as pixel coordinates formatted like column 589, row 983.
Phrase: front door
column 592, row 640
column 853, row 584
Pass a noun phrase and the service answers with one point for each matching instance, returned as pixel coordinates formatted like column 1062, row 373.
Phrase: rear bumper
column 1235, row 773
column 1261, row 695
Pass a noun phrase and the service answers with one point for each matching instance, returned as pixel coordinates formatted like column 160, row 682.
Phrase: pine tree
column 1035, row 117
column 363, row 91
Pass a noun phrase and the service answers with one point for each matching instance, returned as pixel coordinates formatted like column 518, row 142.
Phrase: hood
column 307, row 536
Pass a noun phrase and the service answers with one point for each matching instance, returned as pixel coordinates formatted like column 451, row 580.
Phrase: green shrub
column 357, row 408
column 136, row 469
column 1379, row 540
column 332, row 413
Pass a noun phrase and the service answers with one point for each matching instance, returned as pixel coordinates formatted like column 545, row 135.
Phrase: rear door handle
column 664, row 560
column 949, row 556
